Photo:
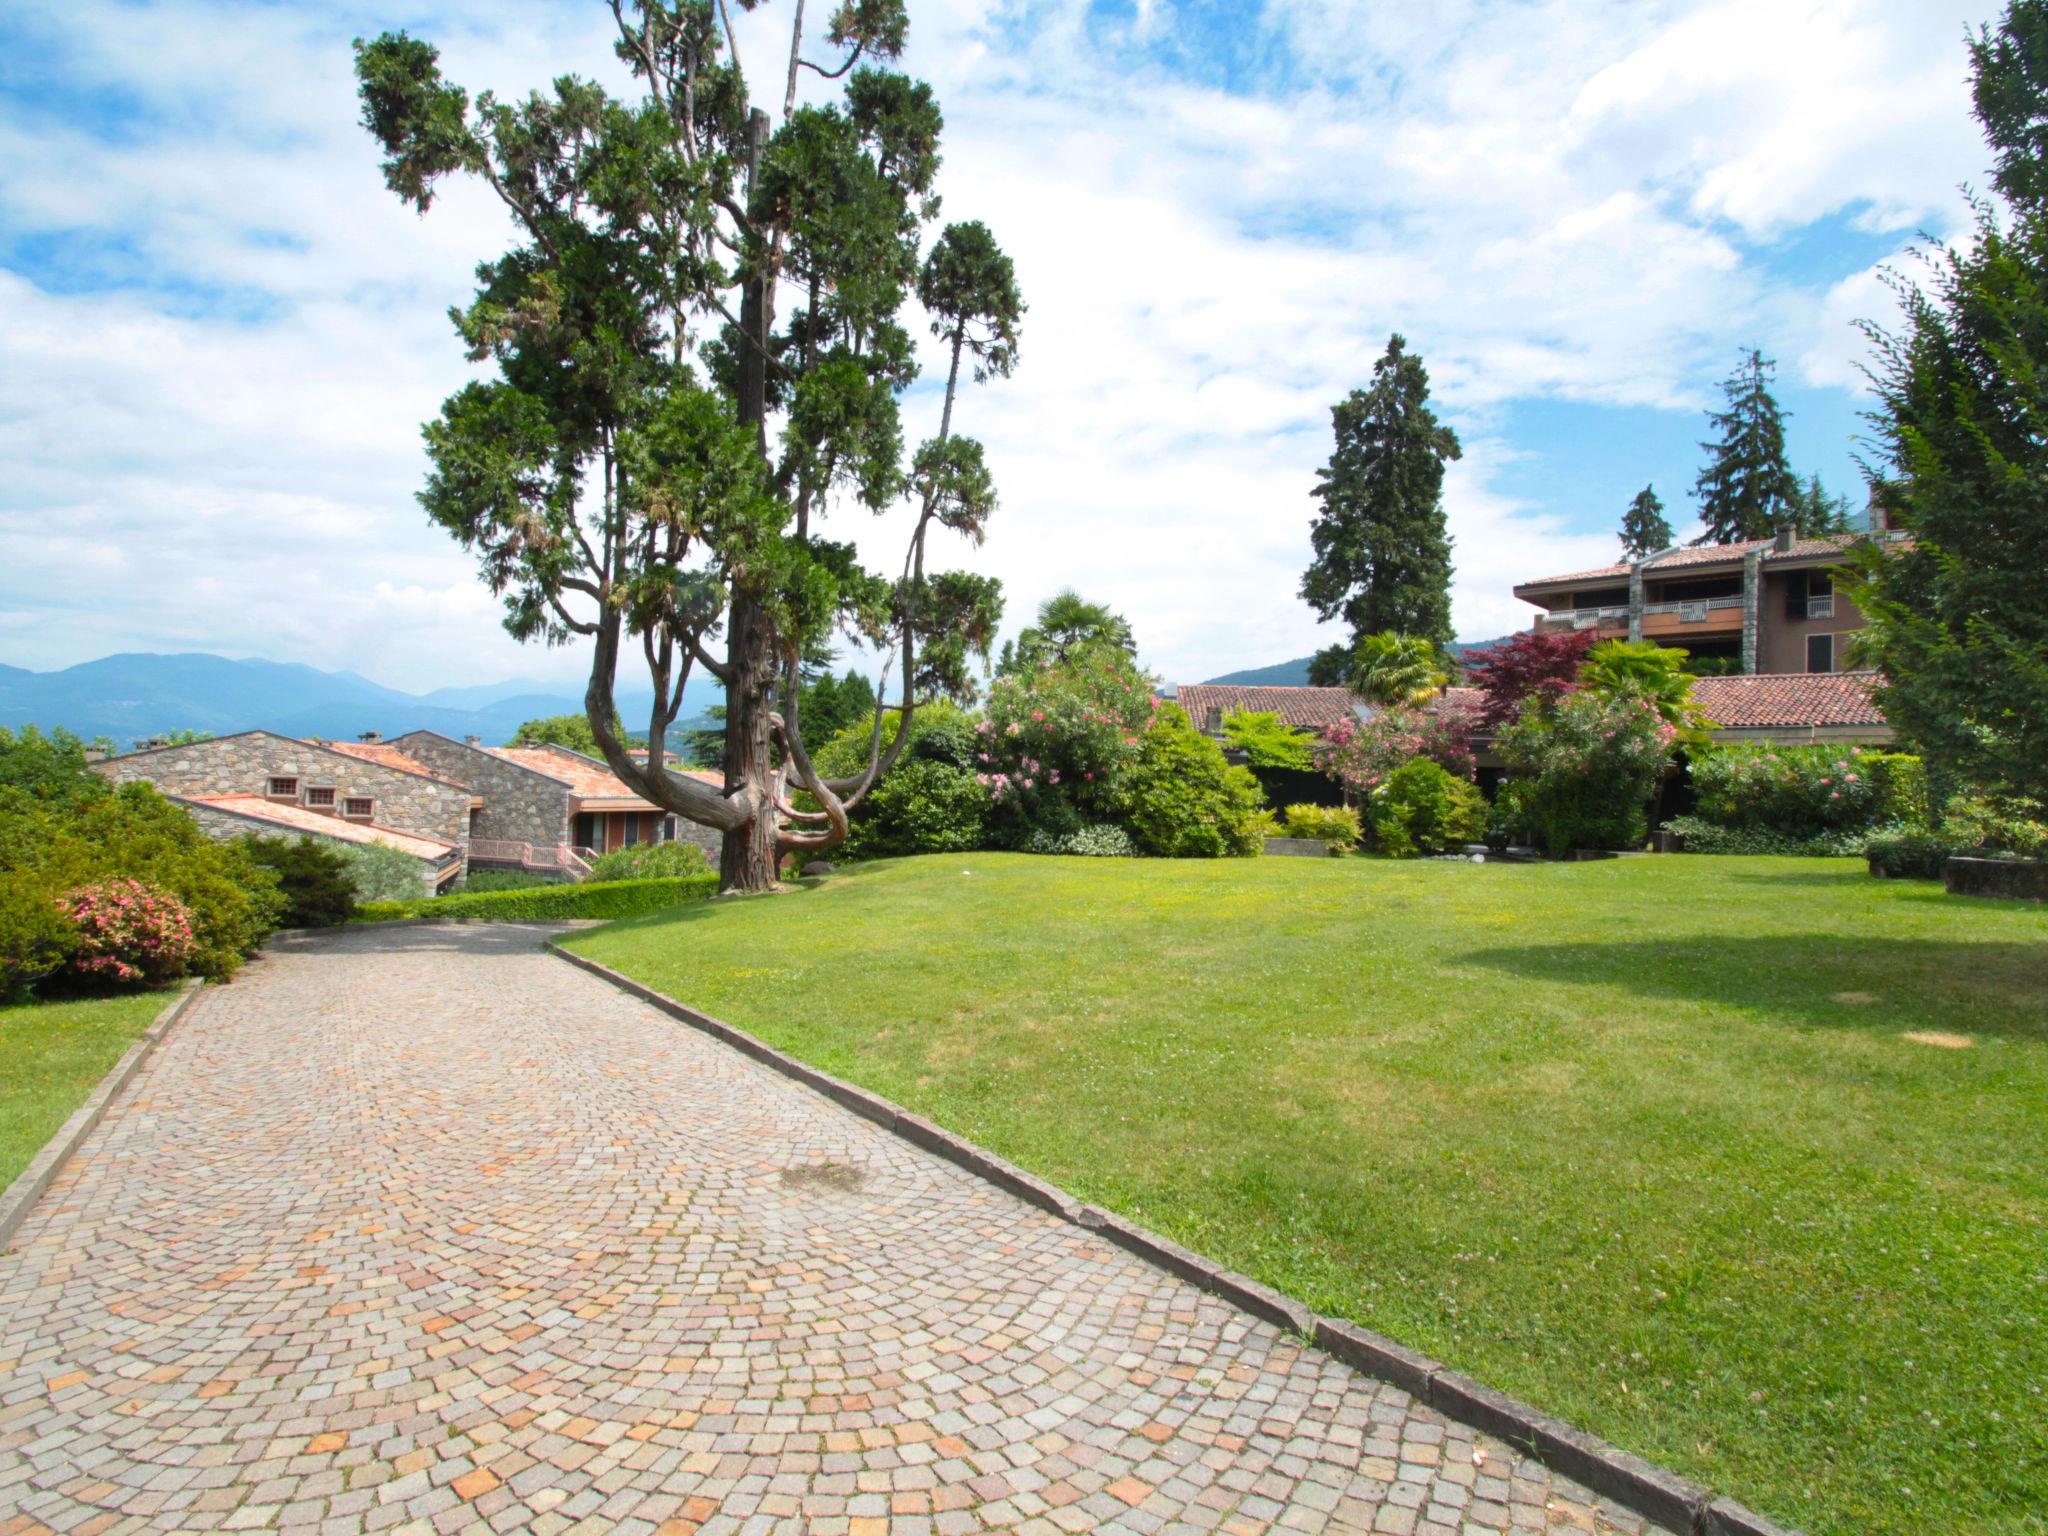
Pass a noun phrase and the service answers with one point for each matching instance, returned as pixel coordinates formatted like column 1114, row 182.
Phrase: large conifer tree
column 1644, row 527
column 1747, row 487
column 1382, row 549
column 1959, row 612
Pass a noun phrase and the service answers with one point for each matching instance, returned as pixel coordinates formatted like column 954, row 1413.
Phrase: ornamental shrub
column 1336, row 825
column 1059, row 743
column 1804, row 791
column 1422, row 808
column 650, row 861
column 1187, row 801
column 1584, row 766
column 478, row 881
column 128, row 934
column 1907, row 855
column 930, row 802
column 379, row 872
column 610, row 899
column 1363, row 754
column 1702, row 836
column 312, row 879
column 2012, row 827
column 1094, row 842
column 1266, row 742
column 36, row 937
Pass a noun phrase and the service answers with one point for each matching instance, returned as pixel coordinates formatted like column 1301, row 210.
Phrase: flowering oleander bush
column 1059, row 743
column 1094, row 842
column 1423, row 808
column 1187, row 801
column 1703, row 836
column 1363, row 754
column 1336, row 825
column 1583, row 766
column 128, row 934
column 1803, row 792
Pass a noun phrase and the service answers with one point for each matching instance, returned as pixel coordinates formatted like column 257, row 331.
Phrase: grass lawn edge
column 1642, row 1486
column 20, row 1197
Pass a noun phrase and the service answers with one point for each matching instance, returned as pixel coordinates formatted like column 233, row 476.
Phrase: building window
column 359, row 807
column 668, row 829
column 284, row 789
column 1820, row 653
column 320, row 797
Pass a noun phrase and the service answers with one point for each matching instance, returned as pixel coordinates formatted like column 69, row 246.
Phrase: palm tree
column 1066, row 622
column 1390, row 669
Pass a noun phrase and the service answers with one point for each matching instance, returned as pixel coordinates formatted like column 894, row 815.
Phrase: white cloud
column 1561, row 199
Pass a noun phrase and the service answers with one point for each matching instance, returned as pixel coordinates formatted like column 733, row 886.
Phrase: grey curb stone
column 20, row 1196
column 1649, row 1490
column 1725, row 1517
column 1364, row 1350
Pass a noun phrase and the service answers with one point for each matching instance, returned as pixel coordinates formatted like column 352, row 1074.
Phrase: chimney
column 95, row 754
column 1788, row 534
column 372, row 737
column 472, row 741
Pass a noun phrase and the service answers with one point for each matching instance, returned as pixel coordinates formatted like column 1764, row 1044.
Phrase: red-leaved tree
column 1543, row 662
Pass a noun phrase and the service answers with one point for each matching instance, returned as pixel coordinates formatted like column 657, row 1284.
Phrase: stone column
column 1752, row 607
column 1635, row 600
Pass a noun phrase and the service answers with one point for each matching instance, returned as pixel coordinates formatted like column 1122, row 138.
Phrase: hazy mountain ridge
column 1294, row 674
column 140, row 694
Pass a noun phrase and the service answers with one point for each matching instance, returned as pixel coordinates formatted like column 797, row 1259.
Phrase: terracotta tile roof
column 1306, row 709
column 587, row 778
column 1709, row 554
column 296, row 818
column 1790, row 698
column 385, row 755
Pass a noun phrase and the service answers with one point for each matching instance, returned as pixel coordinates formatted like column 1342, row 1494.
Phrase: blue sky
column 219, row 334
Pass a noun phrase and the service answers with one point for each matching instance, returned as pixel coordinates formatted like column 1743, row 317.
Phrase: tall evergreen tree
column 1644, row 527
column 699, row 345
column 1382, row 550
column 1748, row 487
column 1958, row 614
column 1816, row 510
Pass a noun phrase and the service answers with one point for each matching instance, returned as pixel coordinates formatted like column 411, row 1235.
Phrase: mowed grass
column 51, row 1056
column 1645, row 1142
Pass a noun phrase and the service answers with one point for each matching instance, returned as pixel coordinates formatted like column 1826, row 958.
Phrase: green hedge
column 1702, row 836
column 605, row 899
column 1908, row 855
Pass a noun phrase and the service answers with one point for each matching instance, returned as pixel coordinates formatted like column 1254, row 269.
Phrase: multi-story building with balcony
column 1767, row 606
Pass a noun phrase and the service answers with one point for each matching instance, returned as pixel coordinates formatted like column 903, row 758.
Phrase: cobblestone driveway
column 423, row 1229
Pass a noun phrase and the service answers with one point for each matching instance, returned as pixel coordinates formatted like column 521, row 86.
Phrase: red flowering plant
column 1363, row 754
column 1059, row 740
column 129, row 933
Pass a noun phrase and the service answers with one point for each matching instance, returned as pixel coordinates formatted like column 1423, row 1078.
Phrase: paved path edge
column 21, row 1196
column 1674, row 1502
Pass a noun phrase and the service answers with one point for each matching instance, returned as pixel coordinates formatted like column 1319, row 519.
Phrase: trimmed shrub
column 1907, row 855
column 1584, row 768
column 1096, row 842
column 613, row 899
column 128, row 934
column 650, row 861
column 1703, row 836
column 1806, row 791
column 478, row 881
column 1989, row 827
column 312, row 879
column 36, row 937
column 1424, row 809
column 1336, row 825
column 379, row 872
column 1187, row 801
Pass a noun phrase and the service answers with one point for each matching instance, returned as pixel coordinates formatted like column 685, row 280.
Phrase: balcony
column 1693, row 616
column 1820, row 607
column 1584, row 618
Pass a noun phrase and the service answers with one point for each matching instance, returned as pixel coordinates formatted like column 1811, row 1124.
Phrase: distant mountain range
column 1294, row 674
column 138, row 694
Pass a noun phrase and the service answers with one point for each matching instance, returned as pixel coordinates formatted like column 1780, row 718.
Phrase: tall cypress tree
column 1382, row 550
column 1748, row 487
column 1958, row 614
column 1644, row 527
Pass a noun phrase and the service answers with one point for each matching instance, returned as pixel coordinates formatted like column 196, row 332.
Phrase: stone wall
column 225, row 827
column 244, row 765
column 520, row 806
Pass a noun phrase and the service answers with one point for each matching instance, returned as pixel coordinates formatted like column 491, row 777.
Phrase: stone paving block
column 421, row 1230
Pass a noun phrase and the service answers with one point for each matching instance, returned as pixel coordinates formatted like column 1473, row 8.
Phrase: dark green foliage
column 831, row 704
column 1817, row 511
column 651, row 861
column 48, row 768
column 571, row 731
column 1747, row 487
column 613, row 899
column 1958, row 618
column 1703, row 836
column 1382, row 549
column 930, row 801
column 1066, row 623
column 1908, row 855
column 1421, row 809
column 312, row 880
column 1644, row 527
column 1187, row 801
column 380, row 872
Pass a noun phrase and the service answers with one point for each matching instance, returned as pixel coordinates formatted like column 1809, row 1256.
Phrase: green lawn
column 1644, row 1142
column 51, row 1056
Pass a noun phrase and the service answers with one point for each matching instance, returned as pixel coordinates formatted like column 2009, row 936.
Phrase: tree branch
column 830, row 74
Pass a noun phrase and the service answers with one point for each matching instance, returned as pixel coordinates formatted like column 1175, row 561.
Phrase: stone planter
column 2015, row 879
column 1300, row 847
column 1670, row 842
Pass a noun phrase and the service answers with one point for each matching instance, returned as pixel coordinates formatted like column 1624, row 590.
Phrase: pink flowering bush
column 1807, row 791
column 129, row 933
column 1056, row 749
column 1583, row 767
column 1363, row 755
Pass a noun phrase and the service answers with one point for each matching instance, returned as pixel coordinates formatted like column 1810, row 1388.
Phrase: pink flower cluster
column 129, row 932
